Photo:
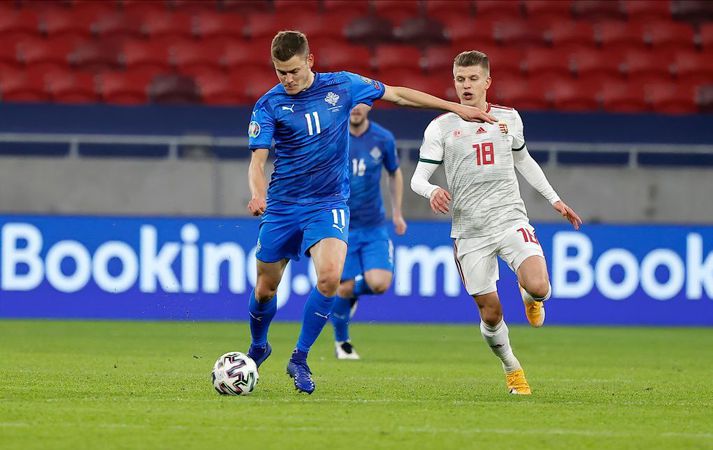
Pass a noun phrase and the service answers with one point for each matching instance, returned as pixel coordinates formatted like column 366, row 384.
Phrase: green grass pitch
column 105, row 385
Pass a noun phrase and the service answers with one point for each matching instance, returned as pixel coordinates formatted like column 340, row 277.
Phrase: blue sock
column 360, row 286
column 316, row 313
column 261, row 315
column 340, row 318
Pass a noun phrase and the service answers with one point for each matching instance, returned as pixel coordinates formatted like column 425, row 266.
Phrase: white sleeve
column 429, row 158
column 518, row 133
column 534, row 175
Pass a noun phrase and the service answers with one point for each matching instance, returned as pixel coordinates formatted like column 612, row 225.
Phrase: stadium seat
column 421, row 31
column 220, row 89
column 438, row 59
column 191, row 6
column 692, row 11
column 596, row 9
column 387, row 57
column 95, row 56
column 168, row 25
column 623, row 97
column 126, row 88
column 671, row 98
column 369, row 30
column 644, row 11
column 23, row 86
column 173, row 89
column 615, row 34
column 396, row 11
column 573, row 96
column 141, row 8
column 497, row 10
column 568, row 33
column 663, row 35
column 72, row 87
column 587, row 61
column 19, row 23
column 704, row 98
column 705, row 39
column 65, row 22
column 224, row 25
column 116, row 26
column 436, row 9
column 190, row 54
column 351, row 8
column 242, row 54
column 137, row 53
column 643, row 63
column 559, row 10
column 517, row 32
column 46, row 52
column 296, row 6
column 342, row 56
column 504, row 60
column 467, row 32
column 328, row 26
column 516, row 93
column 546, row 61
column 262, row 25
column 255, row 82
column 693, row 68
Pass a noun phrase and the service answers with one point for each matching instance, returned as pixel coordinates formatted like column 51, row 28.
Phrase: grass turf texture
column 147, row 385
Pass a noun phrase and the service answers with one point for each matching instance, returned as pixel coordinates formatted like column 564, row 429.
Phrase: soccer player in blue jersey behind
column 304, row 210
column 370, row 257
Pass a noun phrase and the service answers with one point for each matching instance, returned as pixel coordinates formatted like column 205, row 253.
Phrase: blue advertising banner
column 149, row 268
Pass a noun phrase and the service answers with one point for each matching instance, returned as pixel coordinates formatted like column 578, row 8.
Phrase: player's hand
column 399, row 225
column 257, row 206
column 473, row 114
column 568, row 213
column 440, row 199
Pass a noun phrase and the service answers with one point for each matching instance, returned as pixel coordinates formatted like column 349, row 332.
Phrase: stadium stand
column 665, row 43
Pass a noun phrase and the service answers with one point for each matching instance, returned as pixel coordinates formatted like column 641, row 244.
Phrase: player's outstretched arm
column 568, row 213
column 258, row 182
column 404, row 96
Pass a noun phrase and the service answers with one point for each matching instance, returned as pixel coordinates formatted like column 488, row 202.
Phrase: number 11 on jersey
column 310, row 128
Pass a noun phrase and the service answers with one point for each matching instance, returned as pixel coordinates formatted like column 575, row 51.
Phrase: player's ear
column 310, row 60
column 487, row 82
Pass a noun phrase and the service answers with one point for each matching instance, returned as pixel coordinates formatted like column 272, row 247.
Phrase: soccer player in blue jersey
column 370, row 260
column 304, row 210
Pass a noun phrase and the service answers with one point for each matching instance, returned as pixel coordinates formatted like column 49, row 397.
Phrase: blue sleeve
column 363, row 89
column 262, row 127
column 391, row 157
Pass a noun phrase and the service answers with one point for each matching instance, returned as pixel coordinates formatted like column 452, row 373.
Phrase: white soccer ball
column 235, row 373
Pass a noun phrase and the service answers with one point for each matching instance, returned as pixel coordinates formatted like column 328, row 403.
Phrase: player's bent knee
column 346, row 289
column 379, row 288
column 328, row 284
column 264, row 292
column 538, row 289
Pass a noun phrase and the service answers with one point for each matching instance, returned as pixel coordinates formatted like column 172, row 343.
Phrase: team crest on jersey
column 375, row 152
column 254, row 129
column 331, row 98
column 503, row 128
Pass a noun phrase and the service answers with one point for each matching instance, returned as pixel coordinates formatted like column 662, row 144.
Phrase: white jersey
column 479, row 169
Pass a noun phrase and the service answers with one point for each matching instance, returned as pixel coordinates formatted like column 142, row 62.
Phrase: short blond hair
column 472, row 58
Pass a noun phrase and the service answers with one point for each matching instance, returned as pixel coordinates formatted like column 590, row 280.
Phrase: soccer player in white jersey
column 489, row 216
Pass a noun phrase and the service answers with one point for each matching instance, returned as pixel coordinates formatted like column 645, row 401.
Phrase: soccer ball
column 235, row 374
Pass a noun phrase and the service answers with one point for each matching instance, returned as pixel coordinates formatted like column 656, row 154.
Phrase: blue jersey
column 367, row 154
column 311, row 133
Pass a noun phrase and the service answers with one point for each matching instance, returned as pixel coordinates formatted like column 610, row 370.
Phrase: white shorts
column 476, row 258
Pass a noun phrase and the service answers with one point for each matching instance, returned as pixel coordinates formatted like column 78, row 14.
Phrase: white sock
column 499, row 342
column 529, row 298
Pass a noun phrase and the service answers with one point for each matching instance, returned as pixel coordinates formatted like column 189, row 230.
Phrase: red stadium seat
column 692, row 11
column 262, row 25
column 439, row 59
column 316, row 26
column 164, row 24
column 644, row 11
column 23, row 86
column 351, row 8
column 225, row 25
column 341, row 56
column 72, row 87
column 369, row 30
column 573, row 96
column 617, row 34
column 468, row 31
column 663, row 35
column 671, row 98
column 219, row 89
column 245, row 5
column 517, row 32
column 137, row 53
column 642, row 63
column 560, row 10
column 47, row 53
column 95, row 56
column 173, row 89
column 517, row 93
column 21, row 23
column 116, row 26
column 296, row 6
column 569, row 33
column 587, row 61
column 623, row 97
column 250, row 55
column 65, row 22
column 126, row 88
column 189, row 54
column 396, row 10
column 388, row 57
column 141, row 8
column 596, row 9
column 255, row 83
column 504, row 60
column 706, row 36
column 497, row 10
column 704, row 98
column 439, row 8
column 420, row 31
column 546, row 61
column 694, row 68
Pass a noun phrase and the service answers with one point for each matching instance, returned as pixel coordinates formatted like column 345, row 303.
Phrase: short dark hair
column 472, row 58
column 287, row 44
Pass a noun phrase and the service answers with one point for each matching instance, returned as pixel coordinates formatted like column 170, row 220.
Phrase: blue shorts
column 369, row 248
column 288, row 230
